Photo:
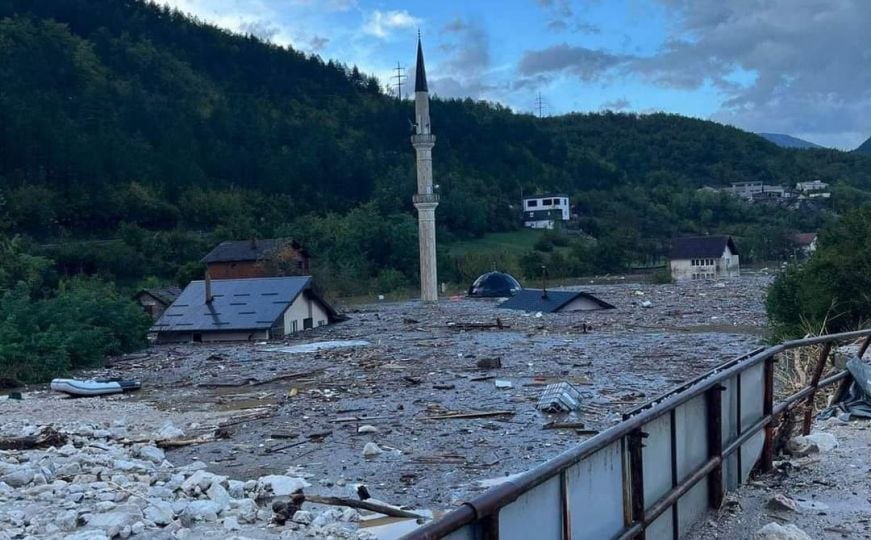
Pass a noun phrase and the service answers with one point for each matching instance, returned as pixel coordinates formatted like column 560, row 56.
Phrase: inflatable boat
column 76, row 387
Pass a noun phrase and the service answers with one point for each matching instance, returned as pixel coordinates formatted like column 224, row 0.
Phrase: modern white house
column 703, row 257
column 543, row 211
column 815, row 185
column 243, row 310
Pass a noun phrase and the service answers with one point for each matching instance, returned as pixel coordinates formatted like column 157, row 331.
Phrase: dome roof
column 494, row 285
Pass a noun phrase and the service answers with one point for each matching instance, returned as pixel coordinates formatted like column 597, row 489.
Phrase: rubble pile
column 99, row 484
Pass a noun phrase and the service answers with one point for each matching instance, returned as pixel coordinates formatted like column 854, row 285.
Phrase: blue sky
column 800, row 67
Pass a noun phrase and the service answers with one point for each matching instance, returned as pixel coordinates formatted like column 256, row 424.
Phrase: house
column 547, row 301
column 155, row 301
column 703, row 257
column 243, row 310
column 256, row 258
column 543, row 211
column 809, row 187
column 806, row 243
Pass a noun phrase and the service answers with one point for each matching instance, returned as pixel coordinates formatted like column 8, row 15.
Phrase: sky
column 800, row 67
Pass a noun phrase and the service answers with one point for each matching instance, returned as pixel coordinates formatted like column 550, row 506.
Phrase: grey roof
column 165, row 295
column 246, row 250
column 238, row 304
column 533, row 300
column 420, row 72
column 701, row 246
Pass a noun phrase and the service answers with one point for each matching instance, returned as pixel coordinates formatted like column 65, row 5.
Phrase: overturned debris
column 559, row 397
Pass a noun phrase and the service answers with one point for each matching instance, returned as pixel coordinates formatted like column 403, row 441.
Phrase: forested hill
column 121, row 117
column 865, row 147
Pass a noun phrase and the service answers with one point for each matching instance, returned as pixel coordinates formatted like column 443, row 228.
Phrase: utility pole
column 539, row 105
column 400, row 75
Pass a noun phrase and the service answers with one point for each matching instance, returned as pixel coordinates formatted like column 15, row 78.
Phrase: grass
column 518, row 242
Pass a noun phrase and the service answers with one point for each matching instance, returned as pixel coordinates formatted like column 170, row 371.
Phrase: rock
column 489, row 363
column 202, row 480
column 231, row 524
column 246, row 509
column 782, row 502
column 371, row 450
column 67, row 520
column 113, row 522
column 280, row 485
column 87, row 535
column 366, row 535
column 169, row 432
column 218, row 495
column 367, row 429
column 152, row 454
column 203, row 511
column 647, row 304
column 236, row 489
column 137, row 527
column 18, row 478
column 350, row 515
column 774, row 531
column 160, row 512
column 809, row 444
column 70, row 469
column 302, row 517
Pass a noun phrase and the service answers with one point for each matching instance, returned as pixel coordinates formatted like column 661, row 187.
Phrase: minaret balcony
column 419, row 198
column 423, row 138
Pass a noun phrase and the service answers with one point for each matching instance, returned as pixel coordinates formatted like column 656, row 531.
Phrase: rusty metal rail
column 659, row 470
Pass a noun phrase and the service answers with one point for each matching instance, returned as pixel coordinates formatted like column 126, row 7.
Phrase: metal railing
column 658, row 471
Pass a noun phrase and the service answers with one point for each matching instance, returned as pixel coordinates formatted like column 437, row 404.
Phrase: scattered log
column 362, row 505
column 47, row 437
column 178, row 443
column 474, row 414
column 361, row 418
column 563, row 425
column 286, row 376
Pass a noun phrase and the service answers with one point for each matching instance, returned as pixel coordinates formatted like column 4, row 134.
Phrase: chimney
column 208, row 284
column 543, row 281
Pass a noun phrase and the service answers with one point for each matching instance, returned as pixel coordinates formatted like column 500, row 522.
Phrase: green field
column 517, row 242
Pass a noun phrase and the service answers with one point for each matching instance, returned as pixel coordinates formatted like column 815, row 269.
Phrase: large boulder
column 775, row 531
column 278, row 485
column 810, row 444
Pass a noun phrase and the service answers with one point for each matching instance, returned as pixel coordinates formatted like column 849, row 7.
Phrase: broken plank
column 362, row 505
column 475, row 414
column 361, row 418
column 563, row 425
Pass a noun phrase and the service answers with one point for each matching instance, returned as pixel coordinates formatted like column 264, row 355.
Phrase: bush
column 77, row 328
column 662, row 276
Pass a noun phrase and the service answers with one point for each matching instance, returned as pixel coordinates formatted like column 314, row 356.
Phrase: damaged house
column 243, row 310
column 547, row 301
column 256, row 259
column 155, row 301
column 703, row 257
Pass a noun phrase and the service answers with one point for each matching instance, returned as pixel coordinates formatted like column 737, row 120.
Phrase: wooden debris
column 178, row 443
column 563, row 425
column 47, row 437
column 412, row 380
column 444, row 386
column 473, row 414
column 362, row 505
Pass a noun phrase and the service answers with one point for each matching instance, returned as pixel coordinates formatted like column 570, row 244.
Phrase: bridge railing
column 658, row 471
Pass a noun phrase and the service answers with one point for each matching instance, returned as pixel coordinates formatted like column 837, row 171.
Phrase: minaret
column 424, row 200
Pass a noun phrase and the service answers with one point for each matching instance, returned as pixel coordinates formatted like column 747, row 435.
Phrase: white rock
column 647, row 304
column 774, row 531
column 280, row 485
column 810, row 444
column 203, row 510
column 67, row 520
column 87, row 535
column 113, row 522
column 152, row 454
column 69, row 469
column 231, row 524
column 350, row 515
column 202, row 480
column 236, row 489
column 19, row 477
column 371, row 450
column 303, row 517
column 160, row 512
column 826, row 442
column 169, row 432
column 137, row 527
column 219, row 496
column 367, row 429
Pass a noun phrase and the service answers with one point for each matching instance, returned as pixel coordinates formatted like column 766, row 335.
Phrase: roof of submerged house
column 701, row 246
column 247, row 250
column 553, row 301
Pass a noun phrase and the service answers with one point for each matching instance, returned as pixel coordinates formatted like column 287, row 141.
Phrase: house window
column 294, row 327
column 530, row 204
column 546, row 202
column 307, row 323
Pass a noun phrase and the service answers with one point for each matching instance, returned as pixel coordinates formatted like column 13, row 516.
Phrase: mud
column 422, row 364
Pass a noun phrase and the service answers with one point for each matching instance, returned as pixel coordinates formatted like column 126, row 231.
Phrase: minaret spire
column 424, row 200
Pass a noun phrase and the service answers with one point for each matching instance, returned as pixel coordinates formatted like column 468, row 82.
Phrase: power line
column 539, row 105
column 400, row 75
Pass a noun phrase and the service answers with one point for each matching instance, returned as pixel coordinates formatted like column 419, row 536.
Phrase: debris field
column 441, row 401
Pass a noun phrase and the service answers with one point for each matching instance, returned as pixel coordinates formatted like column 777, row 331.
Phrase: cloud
column 261, row 29
column 381, row 23
column 807, row 61
column 587, row 64
column 466, row 69
column 619, row 104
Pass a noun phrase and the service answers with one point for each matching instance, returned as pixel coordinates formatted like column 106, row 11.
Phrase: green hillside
column 127, row 121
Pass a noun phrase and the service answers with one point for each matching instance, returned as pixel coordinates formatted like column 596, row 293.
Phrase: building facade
column 704, row 257
column 256, row 258
column 544, row 211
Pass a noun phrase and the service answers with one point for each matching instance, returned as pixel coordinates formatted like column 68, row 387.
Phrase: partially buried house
column 244, row 310
column 155, row 301
column 547, row 301
column 703, row 257
column 256, row 258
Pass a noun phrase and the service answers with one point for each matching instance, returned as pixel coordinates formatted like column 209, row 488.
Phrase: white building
column 815, row 185
column 543, row 211
column 703, row 257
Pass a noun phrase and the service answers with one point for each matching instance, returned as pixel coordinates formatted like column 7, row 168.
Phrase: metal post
column 636, row 478
column 815, row 381
column 489, row 526
column 714, row 404
column 564, row 499
column 767, row 409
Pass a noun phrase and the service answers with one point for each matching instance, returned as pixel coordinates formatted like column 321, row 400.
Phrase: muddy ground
column 422, row 364
column 830, row 489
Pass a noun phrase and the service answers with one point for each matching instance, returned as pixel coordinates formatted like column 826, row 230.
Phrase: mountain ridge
column 788, row 141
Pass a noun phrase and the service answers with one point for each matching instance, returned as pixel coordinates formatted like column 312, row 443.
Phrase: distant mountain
column 788, row 141
column 865, row 147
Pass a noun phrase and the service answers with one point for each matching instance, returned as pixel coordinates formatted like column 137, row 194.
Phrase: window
column 546, row 202
column 530, row 204
column 294, row 327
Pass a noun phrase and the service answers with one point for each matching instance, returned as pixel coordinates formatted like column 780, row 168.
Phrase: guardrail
column 658, row 471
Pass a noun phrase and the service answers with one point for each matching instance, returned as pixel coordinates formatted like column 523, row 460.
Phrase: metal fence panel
column 656, row 459
column 752, row 392
column 691, row 437
column 595, row 494
column 730, row 431
column 662, row 527
column 535, row 514
column 466, row 533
